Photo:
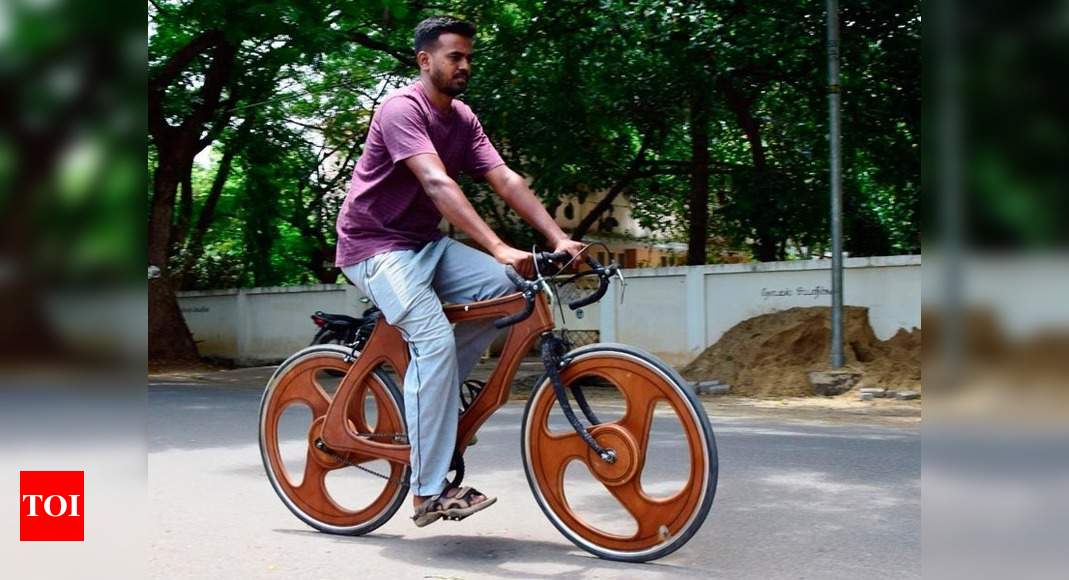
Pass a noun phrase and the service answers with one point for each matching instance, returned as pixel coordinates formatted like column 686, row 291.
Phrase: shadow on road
column 495, row 555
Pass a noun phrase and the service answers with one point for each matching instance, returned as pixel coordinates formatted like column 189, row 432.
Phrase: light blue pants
column 409, row 287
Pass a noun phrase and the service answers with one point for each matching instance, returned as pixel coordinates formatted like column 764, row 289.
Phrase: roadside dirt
column 770, row 355
column 844, row 409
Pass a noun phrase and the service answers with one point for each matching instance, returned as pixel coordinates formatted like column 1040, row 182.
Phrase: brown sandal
column 428, row 512
column 457, row 507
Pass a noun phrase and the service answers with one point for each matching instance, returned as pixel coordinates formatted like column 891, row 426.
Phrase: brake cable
column 552, row 349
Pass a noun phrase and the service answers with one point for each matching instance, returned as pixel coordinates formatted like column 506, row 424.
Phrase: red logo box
column 52, row 506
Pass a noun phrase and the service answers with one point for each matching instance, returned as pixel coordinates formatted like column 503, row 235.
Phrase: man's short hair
column 428, row 31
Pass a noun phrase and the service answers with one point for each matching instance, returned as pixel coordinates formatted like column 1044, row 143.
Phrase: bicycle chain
column 320, row 445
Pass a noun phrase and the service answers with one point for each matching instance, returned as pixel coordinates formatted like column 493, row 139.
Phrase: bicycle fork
column 552, row 349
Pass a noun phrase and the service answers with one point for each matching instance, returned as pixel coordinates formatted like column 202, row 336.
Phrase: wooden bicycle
column 361, row 425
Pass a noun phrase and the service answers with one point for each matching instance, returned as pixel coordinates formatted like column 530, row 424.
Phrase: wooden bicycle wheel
column 657, row 493
column 364, row 501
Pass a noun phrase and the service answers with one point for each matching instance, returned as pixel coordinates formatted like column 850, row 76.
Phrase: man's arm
column 514, row 190
column 450, row 200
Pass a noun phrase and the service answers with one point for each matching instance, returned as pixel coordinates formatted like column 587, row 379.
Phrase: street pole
column 835, row 174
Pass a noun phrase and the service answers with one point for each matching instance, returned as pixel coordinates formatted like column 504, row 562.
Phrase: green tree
column 207, row 61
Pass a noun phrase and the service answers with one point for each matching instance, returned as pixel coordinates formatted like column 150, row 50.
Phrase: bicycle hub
column 609, row 456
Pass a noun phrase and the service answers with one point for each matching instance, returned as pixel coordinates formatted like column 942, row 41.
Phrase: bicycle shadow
column 495, row 555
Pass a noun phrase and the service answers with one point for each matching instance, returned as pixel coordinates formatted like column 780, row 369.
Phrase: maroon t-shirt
column 386, row 208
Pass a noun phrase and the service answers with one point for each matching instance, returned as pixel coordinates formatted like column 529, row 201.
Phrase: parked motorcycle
column 343, row 329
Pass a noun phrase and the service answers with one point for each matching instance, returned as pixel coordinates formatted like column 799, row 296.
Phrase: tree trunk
column 602, row 206
column 698, row 228
column 633, row 172
column 185, row 209
column 28, row 332
column 165, row 187
column 194, row 248
column 767, row 245
column 320, row 262
column 168, row 335
column 169, row 338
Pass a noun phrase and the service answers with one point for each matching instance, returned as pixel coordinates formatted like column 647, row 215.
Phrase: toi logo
column 51, row 506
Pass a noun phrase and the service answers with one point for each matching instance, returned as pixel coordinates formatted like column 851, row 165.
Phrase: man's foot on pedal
column 452, row 504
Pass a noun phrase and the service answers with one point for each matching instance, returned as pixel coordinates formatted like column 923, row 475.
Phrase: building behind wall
column 624, row 240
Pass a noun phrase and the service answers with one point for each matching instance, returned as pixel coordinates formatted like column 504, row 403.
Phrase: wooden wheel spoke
column 314, row 484
column 304, row 388
column 558, row 451
column 650, row 513
column 641, row 398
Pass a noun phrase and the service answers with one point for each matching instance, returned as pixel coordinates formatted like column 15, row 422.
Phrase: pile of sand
column 769, row 355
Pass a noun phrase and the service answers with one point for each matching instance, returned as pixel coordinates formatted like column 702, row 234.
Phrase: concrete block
column 830, row 383
column 717, row 389
column 907, row 395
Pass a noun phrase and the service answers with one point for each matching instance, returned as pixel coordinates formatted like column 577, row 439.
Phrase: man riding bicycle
column 390, row 247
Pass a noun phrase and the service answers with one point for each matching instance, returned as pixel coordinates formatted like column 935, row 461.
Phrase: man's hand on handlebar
column 520, row 261
column 568, row 245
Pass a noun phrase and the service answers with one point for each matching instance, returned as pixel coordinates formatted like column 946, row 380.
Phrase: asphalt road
column 796, row 499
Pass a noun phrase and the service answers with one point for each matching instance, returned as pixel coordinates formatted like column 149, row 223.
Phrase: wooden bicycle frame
column 385, row 345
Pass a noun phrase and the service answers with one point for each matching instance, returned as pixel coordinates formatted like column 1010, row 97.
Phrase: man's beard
column 449, row 86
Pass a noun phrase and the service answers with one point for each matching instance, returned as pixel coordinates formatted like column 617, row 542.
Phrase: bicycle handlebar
column 543, row 259
column 514, row 318
column 603, row 285
column 529, row 289
column 517, row 280
column 547, row 260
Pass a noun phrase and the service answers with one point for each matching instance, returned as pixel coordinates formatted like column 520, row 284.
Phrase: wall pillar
column 607, row 304
column 695, row 309
column 243, row 326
